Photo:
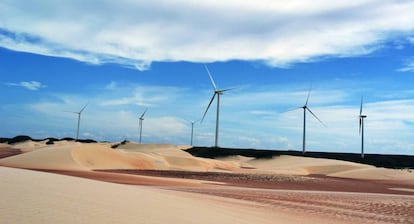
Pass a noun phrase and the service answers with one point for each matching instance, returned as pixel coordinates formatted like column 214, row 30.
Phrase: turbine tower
column 306, row 108
column 217, row 92
column 141, row 118
column 192, row 130
column 79, row 118
column 361, row 128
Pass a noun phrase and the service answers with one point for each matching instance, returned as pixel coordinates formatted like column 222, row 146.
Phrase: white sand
column 374, row 173
column 57, row 157
column 298, row 165
column 36, row 197
column 77, row 156
column 293, row 165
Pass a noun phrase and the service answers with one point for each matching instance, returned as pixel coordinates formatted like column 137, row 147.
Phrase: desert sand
column 70, row 182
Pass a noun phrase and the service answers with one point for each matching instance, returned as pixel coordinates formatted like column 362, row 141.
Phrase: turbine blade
column 211, row 78
column 315, row 116
column 73, row 112
column 211, row 101
column 83, row 108
column 307, row 99
column 224, row 90
column 360, row 109
column 142, row 116
column 292, row 109
column 360, row 125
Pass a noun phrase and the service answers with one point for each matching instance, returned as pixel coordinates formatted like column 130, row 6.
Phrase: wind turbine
column 306, row 108
column 141, row 118
column 79, row 117
column 217, row 92
column 361, row 128
column 192, row 130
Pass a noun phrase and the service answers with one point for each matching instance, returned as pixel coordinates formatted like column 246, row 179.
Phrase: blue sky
column 123, row 57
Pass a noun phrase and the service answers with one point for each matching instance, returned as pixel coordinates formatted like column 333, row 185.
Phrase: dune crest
column 294, row 165
column 94, row 156
column 56, row 157
column 69, row 155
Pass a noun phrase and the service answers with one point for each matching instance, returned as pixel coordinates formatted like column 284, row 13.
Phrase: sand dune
column 95, row 156
column 62, row 199
column 297, row 165
column 28, row 146
column 293, row 165
column 156, row 149
column 47, row 157
column 78, row 156
column 374, row 173
column 245, row 193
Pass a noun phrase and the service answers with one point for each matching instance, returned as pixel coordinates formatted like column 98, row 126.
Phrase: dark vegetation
column 378, row 160
column 50, row 141
column 119, row 144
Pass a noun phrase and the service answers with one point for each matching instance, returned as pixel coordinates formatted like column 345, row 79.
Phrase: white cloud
column 408, row 66
column 135, row 33
column 31, row 85
column 145, row 96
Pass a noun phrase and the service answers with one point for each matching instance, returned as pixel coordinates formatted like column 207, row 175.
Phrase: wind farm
column 162, row 135
column 336, row 179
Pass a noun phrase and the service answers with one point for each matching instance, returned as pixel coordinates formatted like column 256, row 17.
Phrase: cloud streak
column 136, row 33
column 31, row 85
column 408, row 66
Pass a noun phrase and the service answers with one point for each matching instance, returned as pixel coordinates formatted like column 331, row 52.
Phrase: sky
column 123, row 57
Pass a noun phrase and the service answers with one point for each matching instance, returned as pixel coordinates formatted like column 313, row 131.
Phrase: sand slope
column 93, row 156
column 57, row 157
column 51, row 198
column 297, row 165
column 293, row 165
column 78, row 156
column 38, row 197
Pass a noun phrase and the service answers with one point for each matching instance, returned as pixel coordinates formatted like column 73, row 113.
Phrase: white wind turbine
column 306, row 108
column 79, row 118
column 192, row 130
column 141, row 118
column 361, row 128
column 217, row 92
